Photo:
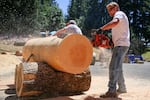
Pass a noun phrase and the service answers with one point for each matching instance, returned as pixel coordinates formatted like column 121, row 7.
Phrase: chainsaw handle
column 99, row 31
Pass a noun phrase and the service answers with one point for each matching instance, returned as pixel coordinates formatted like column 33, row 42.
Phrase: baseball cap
column 72, row 22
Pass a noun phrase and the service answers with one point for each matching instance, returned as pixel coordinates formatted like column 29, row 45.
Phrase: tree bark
column 38, row 78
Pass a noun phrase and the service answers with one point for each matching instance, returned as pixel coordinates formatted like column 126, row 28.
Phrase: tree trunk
column 37, row 78
column 72, row 54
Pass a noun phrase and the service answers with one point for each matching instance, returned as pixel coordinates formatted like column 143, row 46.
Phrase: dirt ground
column 138, row 89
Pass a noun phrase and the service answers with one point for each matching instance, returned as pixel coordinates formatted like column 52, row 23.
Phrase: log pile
column 55, row 66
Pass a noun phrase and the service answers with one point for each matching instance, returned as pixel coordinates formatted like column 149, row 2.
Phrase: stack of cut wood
column 56, row 66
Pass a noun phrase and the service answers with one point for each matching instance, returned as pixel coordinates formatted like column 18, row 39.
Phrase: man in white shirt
column 71, row 28
column 121, row 40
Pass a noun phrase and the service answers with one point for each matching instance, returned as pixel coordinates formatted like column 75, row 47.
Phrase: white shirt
column 72, row 28
column 121, row 33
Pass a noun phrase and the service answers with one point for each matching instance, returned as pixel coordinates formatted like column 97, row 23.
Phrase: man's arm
column 110, row 25
column 60, row 31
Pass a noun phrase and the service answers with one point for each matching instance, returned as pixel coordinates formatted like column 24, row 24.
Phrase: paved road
column 140, row 71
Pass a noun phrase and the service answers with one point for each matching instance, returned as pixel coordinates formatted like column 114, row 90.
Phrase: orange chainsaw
column 101, row 40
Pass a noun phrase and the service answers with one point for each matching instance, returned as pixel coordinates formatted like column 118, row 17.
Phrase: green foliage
column 49, row 17
column 77, row 10
column 138, row 12
column 90, row 14
column 94, row 14
column 146, row 54
column 26, row 16
column 17, row 16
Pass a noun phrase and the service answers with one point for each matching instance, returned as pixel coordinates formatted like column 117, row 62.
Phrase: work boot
column 109, row 95
column 121, row 91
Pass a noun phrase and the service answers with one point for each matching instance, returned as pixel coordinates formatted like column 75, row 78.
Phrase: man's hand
column 99, row 31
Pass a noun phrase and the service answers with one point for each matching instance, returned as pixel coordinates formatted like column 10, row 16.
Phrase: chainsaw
column 101, row 40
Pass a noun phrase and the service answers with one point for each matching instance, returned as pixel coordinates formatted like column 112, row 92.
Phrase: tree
column 26, row 16
column 49, row 15
column 138, row 12
column 97, row 15
column 17, row 16
column 93, row 15
column 77, row 10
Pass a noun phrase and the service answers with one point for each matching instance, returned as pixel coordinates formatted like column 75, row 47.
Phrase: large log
column 72, row 54
column 39, row 78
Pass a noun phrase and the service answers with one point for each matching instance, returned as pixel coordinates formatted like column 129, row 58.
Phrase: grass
column 146, row 55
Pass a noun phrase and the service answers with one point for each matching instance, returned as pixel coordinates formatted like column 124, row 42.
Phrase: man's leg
column 112, row 76
column 114, row 70
column 121, row 81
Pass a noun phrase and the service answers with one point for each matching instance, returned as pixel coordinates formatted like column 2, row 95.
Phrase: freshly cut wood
column 16, row 72
column 25, row 79
column 39, row 78
column 72, row 54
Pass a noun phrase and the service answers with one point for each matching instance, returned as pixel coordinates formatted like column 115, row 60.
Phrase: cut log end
column 75, row 54
column 25, row 78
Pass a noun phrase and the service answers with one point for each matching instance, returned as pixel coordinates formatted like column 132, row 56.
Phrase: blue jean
column 115, row 68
